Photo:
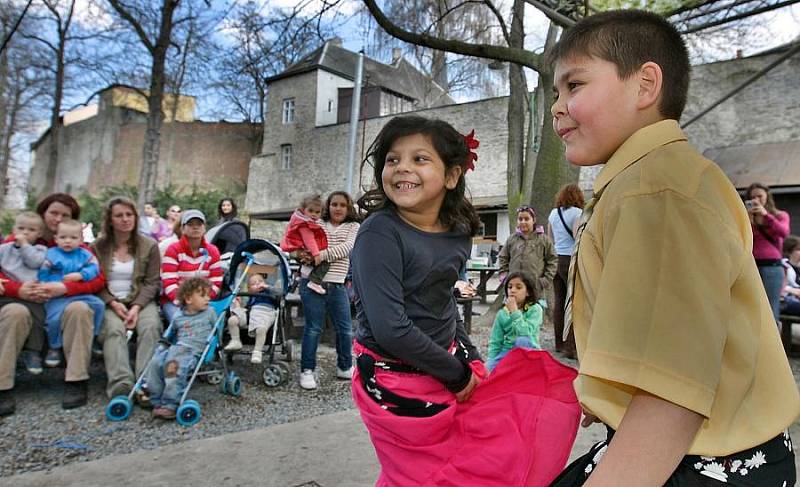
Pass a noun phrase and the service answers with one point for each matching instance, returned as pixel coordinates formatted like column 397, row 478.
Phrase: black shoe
column 75, row 394
column 7, row 402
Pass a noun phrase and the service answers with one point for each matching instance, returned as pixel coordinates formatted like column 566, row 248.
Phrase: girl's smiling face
column 415, row 179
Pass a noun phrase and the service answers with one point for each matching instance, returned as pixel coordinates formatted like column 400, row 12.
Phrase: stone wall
column 106, row 150
column 320, row 154
column 766, row 111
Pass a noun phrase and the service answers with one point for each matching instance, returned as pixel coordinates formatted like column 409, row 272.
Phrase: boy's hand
column 20, row 240
column 73, row 277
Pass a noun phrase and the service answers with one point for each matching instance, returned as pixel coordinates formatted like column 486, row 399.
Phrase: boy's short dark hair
column 191, row 286
column 628, row 39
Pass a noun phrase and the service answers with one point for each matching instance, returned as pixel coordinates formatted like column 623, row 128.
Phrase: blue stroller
column 270, row 262
column 189, row 412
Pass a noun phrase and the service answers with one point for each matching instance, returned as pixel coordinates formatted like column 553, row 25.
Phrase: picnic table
column 466, row 305
column 484, row 274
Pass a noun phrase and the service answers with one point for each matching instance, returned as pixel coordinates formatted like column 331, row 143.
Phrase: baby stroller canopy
column 227, row 235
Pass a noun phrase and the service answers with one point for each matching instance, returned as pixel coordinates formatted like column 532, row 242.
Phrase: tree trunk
column 516, row 115
column 55, row 117
column 5, row 154
column 155, row 116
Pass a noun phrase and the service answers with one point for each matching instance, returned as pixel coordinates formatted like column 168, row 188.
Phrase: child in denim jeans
column 167, row 378
column 518, row 323
column 69, row 261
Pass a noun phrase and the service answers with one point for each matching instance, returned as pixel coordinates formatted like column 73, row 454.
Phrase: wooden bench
column 787, row 321
column 466, row 304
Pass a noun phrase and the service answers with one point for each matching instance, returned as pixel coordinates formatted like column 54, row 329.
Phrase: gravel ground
column 41, row 436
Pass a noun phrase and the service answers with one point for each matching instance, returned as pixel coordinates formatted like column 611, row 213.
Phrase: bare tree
column 535, row 170
column 153, row 26
column 61, row 14
column 464, row 20
column 22, row 88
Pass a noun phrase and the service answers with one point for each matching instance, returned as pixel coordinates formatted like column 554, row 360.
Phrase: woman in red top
column 191, row 256
column 22, row 324
column 770, row 228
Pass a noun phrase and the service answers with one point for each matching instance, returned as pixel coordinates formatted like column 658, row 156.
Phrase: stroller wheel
column 215, row 377
column 188, row 413
column 284, row 368
column 119, row 408
column 233, row 385
column 273, row 376
column 288, row 348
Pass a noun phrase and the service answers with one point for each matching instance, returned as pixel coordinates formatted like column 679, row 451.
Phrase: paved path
column 326, row 451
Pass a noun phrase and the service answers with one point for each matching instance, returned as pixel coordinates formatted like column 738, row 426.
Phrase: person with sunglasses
column 530, row 251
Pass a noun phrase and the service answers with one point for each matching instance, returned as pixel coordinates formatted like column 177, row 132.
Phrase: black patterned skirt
column 770, row 464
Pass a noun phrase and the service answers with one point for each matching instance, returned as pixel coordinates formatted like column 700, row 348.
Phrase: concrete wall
column 106, row 150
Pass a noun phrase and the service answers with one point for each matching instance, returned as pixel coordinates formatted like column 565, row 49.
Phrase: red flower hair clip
column 472, row 144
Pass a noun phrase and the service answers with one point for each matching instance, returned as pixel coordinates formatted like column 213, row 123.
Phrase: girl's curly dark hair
column 456, row 213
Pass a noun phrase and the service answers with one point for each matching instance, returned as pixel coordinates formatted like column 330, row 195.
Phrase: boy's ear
column 651, row 79
column 451, row 177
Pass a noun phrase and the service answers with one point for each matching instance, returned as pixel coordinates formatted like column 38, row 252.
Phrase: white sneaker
column 233, row 346
column 307, row 380
column 256, row 357
column 344, row 374
column 317, row 288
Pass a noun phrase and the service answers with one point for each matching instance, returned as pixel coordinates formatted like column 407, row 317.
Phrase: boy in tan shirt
column 679, row 354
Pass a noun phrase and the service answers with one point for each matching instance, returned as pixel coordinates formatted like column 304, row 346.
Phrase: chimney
column 336, row 41
column 738, row 54
column 397, row 55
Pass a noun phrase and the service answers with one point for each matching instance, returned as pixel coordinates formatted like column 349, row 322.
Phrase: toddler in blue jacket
column 68, row 261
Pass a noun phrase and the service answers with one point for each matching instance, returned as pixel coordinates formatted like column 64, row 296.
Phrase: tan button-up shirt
column 668, row 298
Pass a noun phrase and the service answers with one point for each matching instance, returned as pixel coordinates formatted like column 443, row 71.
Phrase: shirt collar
column 638, row 145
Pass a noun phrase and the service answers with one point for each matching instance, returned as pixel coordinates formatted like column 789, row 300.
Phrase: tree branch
column 486, row 51
column 116, row 5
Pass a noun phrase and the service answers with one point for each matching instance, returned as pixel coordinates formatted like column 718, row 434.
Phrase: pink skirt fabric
column 516, row 430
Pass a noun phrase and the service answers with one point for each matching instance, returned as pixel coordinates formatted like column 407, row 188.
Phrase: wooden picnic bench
column 787, row 321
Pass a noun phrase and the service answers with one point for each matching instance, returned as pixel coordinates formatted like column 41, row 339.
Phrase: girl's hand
column 317, row 259
column 464, row 394
column 50, row 290
column 119, row 309
column 2, row 287
column 511, row 304
column 757, row 213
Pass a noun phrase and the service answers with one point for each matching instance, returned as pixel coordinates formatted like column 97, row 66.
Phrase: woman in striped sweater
column 341, row 227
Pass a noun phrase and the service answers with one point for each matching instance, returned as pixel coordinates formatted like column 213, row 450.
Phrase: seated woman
column 131, row 263
column 191, row 256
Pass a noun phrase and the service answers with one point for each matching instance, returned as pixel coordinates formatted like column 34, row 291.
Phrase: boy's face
column 198, row 300
column 68, row 238
column 595, row 111
column 314, row 211
column 28, row 228
column 255, row 282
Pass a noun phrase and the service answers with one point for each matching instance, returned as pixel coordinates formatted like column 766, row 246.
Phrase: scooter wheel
column 119, row 408
column 188, row 413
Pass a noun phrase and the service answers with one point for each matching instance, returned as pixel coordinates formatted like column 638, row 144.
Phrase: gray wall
column 766, row 111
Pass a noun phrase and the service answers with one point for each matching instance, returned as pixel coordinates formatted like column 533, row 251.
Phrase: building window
column 288, row 110
column 330, row 106
column 286, row 157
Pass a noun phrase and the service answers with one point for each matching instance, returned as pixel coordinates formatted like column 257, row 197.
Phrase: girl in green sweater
column 517, row 324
